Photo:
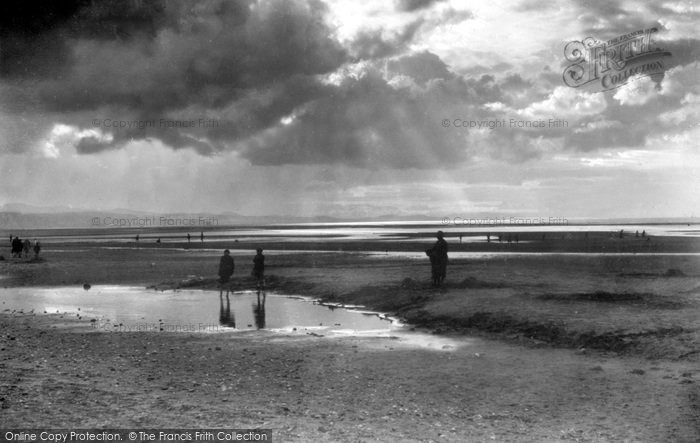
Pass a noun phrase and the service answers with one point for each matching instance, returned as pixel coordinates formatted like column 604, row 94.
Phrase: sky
column 347, row 109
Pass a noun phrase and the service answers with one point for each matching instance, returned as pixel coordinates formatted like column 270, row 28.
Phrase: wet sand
column 555, row 348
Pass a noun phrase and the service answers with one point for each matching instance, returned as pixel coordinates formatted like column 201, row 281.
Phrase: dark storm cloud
column 262, row 71
column 248, row 66
column 92, row 145
column 30, row 35
column 413, row 5
column 422, row 67
column 375, row 43
column 214, row 57
column 36, row 35
column 683, row 51
column 366, row 123
column 606, row 20
column 245, row 63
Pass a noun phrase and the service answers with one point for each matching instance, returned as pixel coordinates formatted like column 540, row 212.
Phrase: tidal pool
column 134, row 309
column 122, row 308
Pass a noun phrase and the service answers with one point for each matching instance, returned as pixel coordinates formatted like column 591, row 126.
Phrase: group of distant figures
column 227, row 266
column 189, row 238
column 636, row 234
column 19, row 247
column 437, row 255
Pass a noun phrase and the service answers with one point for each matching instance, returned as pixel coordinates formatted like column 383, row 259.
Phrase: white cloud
column 65, row 137
column 690, row 112
column 680, row 80
column 569, row 103
column 637, row 91
column 597, row 125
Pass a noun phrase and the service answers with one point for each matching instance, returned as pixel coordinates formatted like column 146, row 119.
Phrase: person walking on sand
column 26, row 247
column 17, row 247
column 188, row 238
column 37, row 249
column 226, row 267
column 259, row 269
column 201, row 236
column 438, row 259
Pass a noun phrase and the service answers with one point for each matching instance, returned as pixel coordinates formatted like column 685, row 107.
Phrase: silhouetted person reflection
column 259, row 310
column 226, row 317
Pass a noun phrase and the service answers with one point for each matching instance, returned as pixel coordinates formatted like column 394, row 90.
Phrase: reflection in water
column 190, row 309
column 226, row 317
column 259, row 311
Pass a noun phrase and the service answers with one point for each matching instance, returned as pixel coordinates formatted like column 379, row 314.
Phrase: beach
column 342, row 221
column 571, row 340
